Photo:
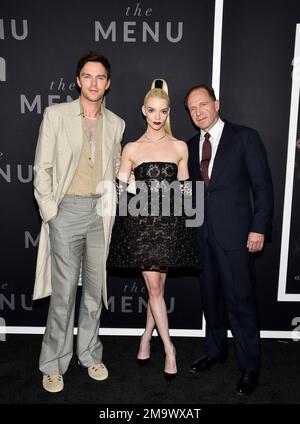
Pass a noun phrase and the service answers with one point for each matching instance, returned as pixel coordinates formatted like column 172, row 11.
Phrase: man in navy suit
column 238, row 205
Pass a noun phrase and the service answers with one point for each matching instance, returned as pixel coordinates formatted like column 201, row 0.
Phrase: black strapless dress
column 150, row 240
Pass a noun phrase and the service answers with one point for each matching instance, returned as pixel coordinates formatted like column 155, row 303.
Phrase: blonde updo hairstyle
column 159, row 88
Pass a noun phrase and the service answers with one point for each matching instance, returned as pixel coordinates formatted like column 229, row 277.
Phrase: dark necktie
column 206, row 155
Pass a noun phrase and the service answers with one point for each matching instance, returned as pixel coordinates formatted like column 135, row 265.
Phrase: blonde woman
column 152, row 241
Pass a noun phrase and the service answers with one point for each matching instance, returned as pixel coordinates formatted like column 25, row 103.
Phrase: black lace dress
column 151, row 237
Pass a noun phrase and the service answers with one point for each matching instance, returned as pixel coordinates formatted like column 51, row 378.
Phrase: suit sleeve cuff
column 48, row 211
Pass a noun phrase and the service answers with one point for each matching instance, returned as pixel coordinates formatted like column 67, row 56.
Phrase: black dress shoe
column 247, row 383
column 205, row 363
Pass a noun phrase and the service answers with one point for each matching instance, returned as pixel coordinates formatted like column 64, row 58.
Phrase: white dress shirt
column 215, row 136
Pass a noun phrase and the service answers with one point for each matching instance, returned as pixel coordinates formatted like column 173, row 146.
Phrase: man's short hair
column 206, row 87
column 93, row 56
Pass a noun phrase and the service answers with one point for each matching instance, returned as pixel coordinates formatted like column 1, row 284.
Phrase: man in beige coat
column 76, row 161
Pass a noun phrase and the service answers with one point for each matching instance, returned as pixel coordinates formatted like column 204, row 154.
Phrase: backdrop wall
column 40, row 43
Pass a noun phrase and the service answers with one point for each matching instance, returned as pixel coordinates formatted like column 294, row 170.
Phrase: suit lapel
column 194, row 158
column 223, row 155
column 73, row 124
column 107, row 140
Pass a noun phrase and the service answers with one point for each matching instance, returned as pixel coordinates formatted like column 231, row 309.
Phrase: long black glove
column 186, row 188
column 121, row 188
column 186, row 196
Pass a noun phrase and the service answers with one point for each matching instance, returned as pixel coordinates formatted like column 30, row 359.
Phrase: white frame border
column 139, row 332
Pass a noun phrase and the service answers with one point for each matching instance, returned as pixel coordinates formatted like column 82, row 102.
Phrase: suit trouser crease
column 77, row 243
column 227, row 288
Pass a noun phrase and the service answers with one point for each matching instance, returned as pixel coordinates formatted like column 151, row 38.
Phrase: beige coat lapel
column 73, row 124
column 108, row 130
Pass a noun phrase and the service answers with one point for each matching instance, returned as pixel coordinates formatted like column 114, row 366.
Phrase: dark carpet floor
column 20, row 379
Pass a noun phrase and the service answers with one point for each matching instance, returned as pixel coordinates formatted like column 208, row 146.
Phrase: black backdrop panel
column 40, row 44
column 257, row 52
column 293, row 273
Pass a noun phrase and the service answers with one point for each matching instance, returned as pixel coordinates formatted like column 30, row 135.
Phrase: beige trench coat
column 57, row 156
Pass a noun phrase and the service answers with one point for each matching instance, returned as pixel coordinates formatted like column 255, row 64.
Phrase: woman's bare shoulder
column 180, row 144
column 130, row 146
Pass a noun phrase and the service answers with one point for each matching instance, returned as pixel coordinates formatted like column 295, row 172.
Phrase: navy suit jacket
column 239, row 196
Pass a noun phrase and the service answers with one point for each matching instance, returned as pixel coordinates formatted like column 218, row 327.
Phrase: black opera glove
column 186, row 188
column 121, row 188
column 187, row 198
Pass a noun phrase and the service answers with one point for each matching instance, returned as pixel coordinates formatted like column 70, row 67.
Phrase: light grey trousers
column 76, row 236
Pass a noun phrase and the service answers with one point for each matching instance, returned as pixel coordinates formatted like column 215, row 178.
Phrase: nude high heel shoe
column 142, row 361
column 170, row 376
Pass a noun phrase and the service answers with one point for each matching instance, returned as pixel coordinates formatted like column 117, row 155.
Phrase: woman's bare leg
column 159, row 314
column 144, row 350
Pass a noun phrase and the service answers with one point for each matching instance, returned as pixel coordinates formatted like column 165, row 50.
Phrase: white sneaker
column 53, row 383
column 98, row 372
